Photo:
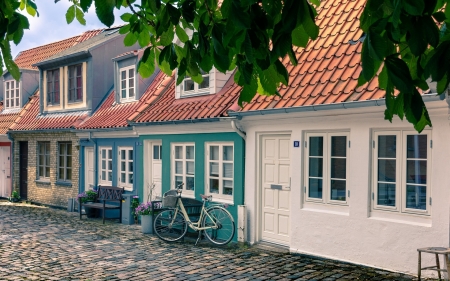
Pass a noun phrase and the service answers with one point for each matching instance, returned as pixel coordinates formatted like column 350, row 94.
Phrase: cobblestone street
column 38, row 243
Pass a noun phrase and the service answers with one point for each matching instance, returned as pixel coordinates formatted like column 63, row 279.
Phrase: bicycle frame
column 194, row 225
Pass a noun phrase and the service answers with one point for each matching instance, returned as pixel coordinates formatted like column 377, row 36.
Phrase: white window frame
column 326, row 170
column 45, row 160
column 400, row 183
column 126, row 185
column 127, row 89
column 100, row 167
column 10, row 99
column 196, row 90
column 190, row 193
column 220, row 176
column 66, row 159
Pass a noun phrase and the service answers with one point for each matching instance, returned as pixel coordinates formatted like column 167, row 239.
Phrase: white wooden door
column 89, row 168
column 155, row 172
column 5, row 171
column 275, row 188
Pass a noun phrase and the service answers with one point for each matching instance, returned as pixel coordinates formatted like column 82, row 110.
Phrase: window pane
column 122, row 166
column 61, row 161
column 315, row 188
column 130, row 178
column 188, row 85
column 227, row 187
column 109, row 154
column 205, row 83
column 338, row 190
column 123, row 74
column 109, row 176
column 41, row 171
column 227, row 153
column 316, row 146
column 103, row 153
column 69, row 149
column 131, row 83
column 178, row 152
column 103, row 164
column 62, row 148
column 130, row 154
column 123, row 154
column 156, row 152
column 416, row 146
column 131, row 73
column 338, row 168
column 189, row 152
column 386, row 170
column 124, row 94
column 47, row 171
column 110, row 165
column 315, row 167
column 190, row 167
column 416, row 197
column 339, row 146
column 130, row 167
column 178, row 180
column 131, row 92
column 214, row 186
column 227, row 170
column 103, row 175
column 214, row 169
column 69, row 174
column 69, row 162
column 123, row 177
column 386, row 194
column 178, row 167
column 416, row 171
column 387, row 146
column 214, row 152
column 189, row 183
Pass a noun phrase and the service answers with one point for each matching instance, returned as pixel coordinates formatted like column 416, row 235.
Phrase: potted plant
column 15, row 197
column 145, row 210
column 88, row 196
column 134, row 205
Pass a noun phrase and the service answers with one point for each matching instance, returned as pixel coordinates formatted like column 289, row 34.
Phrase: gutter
column 100, row 130
column 237, row 130
column 11, row 160
column 65, row 130
column 191, row 121
column 320, row 107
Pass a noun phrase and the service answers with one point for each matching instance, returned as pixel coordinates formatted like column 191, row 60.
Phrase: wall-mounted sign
column 296, row 144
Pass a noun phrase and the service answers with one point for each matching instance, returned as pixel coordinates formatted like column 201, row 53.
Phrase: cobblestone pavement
column 38, row 243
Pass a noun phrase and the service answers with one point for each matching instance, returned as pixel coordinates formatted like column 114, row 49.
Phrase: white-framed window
column 43, row 160
column 157, row 152
column 192, row 88
column 220, row 170
column 183, row 166
column 401, row 181
column 53, row 83
column 126, row 175
column 326, row 167
column 75, row 86
column 127, row 83
column 65, row 161
column 105, row 163
column 12, row 94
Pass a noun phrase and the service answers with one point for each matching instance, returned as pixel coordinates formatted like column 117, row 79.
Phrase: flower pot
column 14, row 200
column 147, row 224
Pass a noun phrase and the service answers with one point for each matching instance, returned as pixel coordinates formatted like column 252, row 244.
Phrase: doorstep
column 272, row 247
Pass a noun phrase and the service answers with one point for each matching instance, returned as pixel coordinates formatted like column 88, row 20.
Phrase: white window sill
column 403, row 218
column 221, row 200
column 193, row 94
column 334, row 209
column 126, row 188
column 127, row 100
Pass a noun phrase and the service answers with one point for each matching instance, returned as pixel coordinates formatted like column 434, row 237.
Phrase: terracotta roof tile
column 7, row 118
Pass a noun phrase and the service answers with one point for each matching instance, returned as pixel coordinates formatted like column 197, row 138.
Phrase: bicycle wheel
column 170, row 228
column 221, row 223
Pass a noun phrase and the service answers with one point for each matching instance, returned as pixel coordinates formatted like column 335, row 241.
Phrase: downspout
column 11, row 160
column 237, row 130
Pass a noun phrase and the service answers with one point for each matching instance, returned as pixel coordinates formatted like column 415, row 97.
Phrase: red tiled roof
column 112, row 115
column 29, row 118
column 27, row 58
column 167, row 108
column 7, row 118
column 328, row 68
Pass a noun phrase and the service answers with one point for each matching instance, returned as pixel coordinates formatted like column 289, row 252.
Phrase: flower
column 135, row 197
column 86, row 196
column 144, row 209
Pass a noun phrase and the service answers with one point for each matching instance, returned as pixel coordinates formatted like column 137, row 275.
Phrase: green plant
column 15, row 195
column 134, row 205
column 87, row 196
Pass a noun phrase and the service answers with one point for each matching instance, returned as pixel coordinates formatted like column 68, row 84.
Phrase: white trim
column 127, row 86
column 196, row 91
column 126, row 185
column 184, row 161
column 12, row 98
column 100, row 167
column 220, row 173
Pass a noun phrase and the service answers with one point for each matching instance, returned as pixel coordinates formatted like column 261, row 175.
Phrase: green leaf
column 130, row 39
column 414, row 7
column 124, row 29
column 188, row 10
column 174, row 14
column 80, row 16
column 439, row 16
column 9, row 62
column 126, row 17
column 299, row 37
column 105, row 11
column 282, row 72
column 442, row 84
column 70, row 14
column 17, row 37
column 167, row 37
column 31, row 11
column 144, row 38
column 398, row 73
column 181, row 34
column 248, row 92
column 85, row 5
column 382, row 78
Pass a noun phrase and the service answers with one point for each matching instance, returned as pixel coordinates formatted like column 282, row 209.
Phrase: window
column 400, row 171
column 75, row 83
column 126, row 167
column 44, row 160
column 183, row 167
column 157, row 152
column 220, row 167
column 127, row 83
column 105, row 165
column 65, row 161
column 12, row 94
column 326, row 167
column 192, row 88
column 53, row 92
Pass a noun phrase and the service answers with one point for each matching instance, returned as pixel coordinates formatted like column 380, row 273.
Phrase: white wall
column 355, row 234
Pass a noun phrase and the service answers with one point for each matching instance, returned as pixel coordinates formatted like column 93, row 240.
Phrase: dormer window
column 192, row 88
column 75, row 83
column 53, row 92
column 127, row 83
column 12, row 94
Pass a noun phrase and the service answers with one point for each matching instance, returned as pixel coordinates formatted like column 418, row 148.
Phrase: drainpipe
column 11, row 160
column 237, row 130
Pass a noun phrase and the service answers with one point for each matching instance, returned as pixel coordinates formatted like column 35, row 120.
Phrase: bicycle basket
column 170, row 199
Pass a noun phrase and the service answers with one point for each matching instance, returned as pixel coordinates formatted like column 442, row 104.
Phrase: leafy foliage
column 406, row 42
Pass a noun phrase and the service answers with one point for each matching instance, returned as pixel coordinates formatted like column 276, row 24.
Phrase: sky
column 51, row 25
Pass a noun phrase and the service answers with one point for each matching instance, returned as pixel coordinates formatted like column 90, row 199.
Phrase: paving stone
column 38, row 243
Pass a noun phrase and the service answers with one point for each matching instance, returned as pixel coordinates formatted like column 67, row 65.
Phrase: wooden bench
column 105, row 193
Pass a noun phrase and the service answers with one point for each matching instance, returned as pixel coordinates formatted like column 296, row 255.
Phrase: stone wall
column 50, row 192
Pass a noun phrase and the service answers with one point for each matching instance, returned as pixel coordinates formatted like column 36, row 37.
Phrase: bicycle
column 215, row 221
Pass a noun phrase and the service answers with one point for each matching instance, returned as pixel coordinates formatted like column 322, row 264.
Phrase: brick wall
column 46, row 193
